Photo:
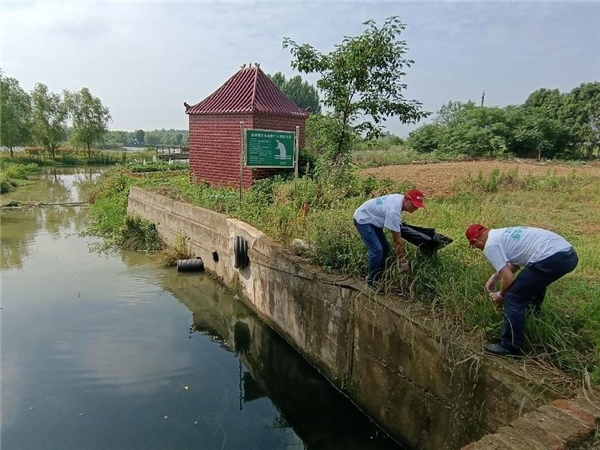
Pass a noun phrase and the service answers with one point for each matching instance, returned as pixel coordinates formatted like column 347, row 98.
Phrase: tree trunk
column 11, row 152
column 89, row 151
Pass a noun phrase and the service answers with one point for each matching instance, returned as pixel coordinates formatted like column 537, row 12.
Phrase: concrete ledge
column 558, row 426
column 390, row 357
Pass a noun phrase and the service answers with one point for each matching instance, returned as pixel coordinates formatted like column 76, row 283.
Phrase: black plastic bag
column 426, row 239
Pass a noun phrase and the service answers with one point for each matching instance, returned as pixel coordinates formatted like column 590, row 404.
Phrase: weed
column 566, row 334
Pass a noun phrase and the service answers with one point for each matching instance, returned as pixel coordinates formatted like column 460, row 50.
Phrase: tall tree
column 362, row 81
column 15, row 113
column 140, row 136
column 547, row 124
column 583, row 108
column 302, row 93
column 89, row 118
column 49, row 118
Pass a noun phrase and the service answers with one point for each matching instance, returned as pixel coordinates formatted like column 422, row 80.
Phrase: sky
column 143, row 59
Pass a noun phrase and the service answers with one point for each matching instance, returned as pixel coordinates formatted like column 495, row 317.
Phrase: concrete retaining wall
column 427, row 392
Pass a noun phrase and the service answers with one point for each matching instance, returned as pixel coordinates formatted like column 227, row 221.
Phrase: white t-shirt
column 384, row 211
column 522, row 246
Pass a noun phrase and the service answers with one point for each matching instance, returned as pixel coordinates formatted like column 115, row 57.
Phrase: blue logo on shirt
column 514, row 232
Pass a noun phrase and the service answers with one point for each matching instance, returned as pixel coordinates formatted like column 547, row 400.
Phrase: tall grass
column 13, row 175
column 566, row 334
column 66, row 156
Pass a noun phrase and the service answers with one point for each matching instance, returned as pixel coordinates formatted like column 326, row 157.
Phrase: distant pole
column 482, row 98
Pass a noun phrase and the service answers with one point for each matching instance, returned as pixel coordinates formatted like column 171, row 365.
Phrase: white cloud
column 143, row 59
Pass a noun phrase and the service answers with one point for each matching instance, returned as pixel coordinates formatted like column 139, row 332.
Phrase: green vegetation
column 550, row 124
column 15, row 113
column 89, row 118
column 72, row 157
column 13, row 175
column 362, row 82
column 47, row 119
column 302, row 93
column 566, row 335
column 149, row 138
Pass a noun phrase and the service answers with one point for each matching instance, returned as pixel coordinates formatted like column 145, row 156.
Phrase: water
column 117, row 352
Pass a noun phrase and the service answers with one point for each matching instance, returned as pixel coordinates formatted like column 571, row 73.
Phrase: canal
column 114, row 351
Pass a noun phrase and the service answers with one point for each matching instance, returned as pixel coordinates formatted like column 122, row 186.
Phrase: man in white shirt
column 386, row 211
column 544, row 256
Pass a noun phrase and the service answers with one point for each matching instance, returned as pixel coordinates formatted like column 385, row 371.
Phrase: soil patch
column 436, row 179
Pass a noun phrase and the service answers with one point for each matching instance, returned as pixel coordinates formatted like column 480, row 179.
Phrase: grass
column 566, row 334
column 66, row 156
column 13, row 175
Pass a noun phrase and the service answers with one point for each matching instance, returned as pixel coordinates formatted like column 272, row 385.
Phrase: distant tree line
column 148, row 138
column 48, row 119
column 550, row 124
column 79, row 119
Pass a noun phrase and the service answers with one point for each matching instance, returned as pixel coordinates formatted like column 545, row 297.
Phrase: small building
column 250, row 97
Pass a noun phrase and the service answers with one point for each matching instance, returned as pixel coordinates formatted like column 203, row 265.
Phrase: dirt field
column 436, row 179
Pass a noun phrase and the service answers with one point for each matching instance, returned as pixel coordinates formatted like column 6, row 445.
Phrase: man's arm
column 400, row 251
column 399, row 245
column 507, row 277
column 491, row 283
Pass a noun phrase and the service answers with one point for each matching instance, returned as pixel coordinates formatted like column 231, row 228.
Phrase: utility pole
column 482, row 97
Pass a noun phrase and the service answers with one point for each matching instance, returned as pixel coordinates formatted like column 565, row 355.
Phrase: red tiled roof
column 248, row 91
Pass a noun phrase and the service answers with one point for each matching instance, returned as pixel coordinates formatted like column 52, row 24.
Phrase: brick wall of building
column 215, row 146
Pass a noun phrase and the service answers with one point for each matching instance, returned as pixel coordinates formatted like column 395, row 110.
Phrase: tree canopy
column 302, row 93
column 362, row 81
column 89, row 118
column 15, row 113
column 549, row 124
column 48, row 118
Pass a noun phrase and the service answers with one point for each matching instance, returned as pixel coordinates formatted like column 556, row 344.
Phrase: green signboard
column 266, row 148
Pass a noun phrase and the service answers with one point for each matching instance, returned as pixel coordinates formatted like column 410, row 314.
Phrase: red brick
column 572, row 409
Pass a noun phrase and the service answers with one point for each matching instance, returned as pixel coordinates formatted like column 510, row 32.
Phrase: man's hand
column 403, row 264
column 497, row 299
column 490, row 285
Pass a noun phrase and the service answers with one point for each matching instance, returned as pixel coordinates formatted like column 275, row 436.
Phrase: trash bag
column 426, row 239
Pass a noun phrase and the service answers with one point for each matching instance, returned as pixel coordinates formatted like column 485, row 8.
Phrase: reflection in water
column 99, row 352
column 317, row 412
column 20, row 225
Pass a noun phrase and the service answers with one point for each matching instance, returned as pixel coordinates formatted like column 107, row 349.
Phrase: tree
column 15, row 113
column 49, row 118
column 302, row 93
column 361, row 80
column 452, row 111
column 140, row 136
column 89, row 118
column 582, row 106
column 547, row 122
column 426, row 138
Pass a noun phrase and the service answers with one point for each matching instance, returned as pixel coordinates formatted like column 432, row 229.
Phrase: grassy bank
column 13, row 175
column 566, row 335
column 66, row 156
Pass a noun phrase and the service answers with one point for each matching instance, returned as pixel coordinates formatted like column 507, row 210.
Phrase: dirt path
column 436, row 179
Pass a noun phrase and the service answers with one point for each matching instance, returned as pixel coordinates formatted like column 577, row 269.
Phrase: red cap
column 416, row 197
column 474, row 232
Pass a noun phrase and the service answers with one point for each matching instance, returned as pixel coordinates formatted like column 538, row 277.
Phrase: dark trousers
column 377, row 248
column 530, row 289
